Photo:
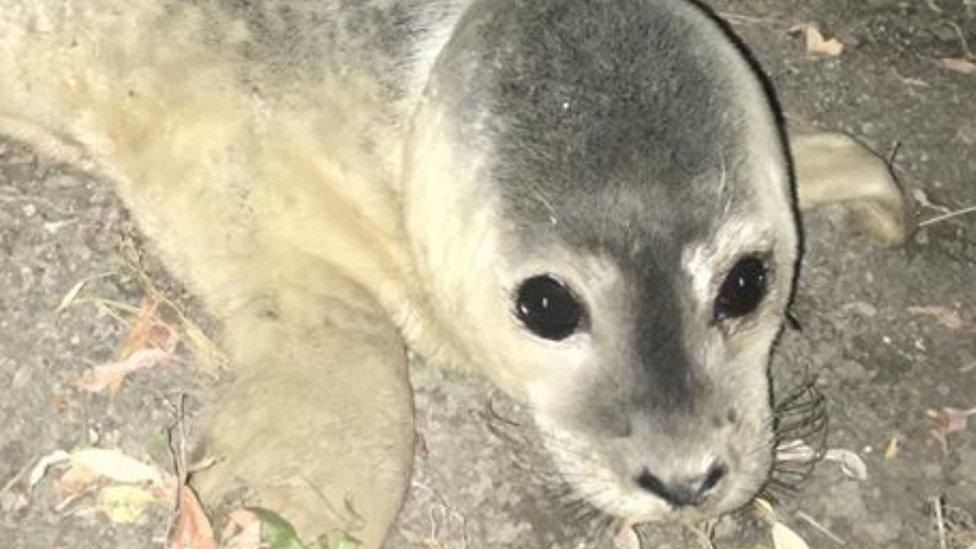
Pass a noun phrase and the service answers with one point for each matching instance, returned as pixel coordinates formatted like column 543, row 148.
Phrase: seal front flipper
column 833, row 167
column 318, row 424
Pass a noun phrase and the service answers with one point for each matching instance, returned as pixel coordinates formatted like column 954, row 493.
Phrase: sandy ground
column 888, row 335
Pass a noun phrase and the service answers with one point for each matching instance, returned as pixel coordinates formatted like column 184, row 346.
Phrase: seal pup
column 587, row 202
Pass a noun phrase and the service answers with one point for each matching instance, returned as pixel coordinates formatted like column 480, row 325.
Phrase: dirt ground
column 888, row 335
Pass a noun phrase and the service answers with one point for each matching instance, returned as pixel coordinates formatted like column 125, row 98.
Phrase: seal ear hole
column 743, row 289
column 548, row 308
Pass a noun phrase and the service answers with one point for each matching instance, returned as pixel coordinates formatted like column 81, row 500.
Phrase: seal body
column 588, row 202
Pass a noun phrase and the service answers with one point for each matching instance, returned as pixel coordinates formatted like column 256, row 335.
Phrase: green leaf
column 346, row 542
column 277, row 532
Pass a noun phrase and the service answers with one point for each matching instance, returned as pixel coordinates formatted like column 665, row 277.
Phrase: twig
column 895, row 147
column 16, row 478
column 176, row 442
column 940, row 521
column 823, row 529
column 943, row 217
column 962, row 39
column 742, row 19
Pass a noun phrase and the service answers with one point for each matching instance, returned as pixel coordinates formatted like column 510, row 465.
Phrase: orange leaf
column 76, row 479
column 193, row 530
column 112, row 374
column 243, row 531
column 149, row 330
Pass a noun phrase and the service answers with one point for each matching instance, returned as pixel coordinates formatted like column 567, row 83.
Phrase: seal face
column 614, row 240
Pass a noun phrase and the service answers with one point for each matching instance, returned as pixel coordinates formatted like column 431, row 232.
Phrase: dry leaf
column 125, row 503
column 948, row 420
column 152, row 329
column 76, row 479
column 243, row 531
column 816, row 44
column 950, row 318
column 785, row 538
column 893, row 448
column 112, row 375
column 957, row 64
column 115, row 465
column 40, row 469
column 193, row 530
column 850, row 463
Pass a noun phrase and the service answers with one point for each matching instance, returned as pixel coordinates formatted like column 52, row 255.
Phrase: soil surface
column 886, row 336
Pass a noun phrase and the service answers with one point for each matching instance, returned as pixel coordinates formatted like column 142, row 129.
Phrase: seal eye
column 743, row 289
column 547, row 308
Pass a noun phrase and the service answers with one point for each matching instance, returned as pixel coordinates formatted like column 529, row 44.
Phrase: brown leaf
column 816, row 44
column 193, row 530
column 948, row 420
column 76, row 479
column 957, row 64
column 243, row 531
column 950, row 318
column 112, row 374
column 151, row 329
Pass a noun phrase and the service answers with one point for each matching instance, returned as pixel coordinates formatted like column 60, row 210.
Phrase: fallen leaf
column 893, row 448
column 277, row 532
column 346, row 541
column 151, row 329
column 43, row 464
column 765, row 510
column 850, row 463
column 125, row 503
column 950, row 318
column 76, row 479
column 193, row 530
column 947, row 420
column 957, row 64
column 115, row 465
column 785, row 538
column 243, row 531
column 112, row 374
column 816, row 44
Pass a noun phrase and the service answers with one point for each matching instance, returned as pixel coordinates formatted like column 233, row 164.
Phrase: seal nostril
column 652, row 484
column 716, row 472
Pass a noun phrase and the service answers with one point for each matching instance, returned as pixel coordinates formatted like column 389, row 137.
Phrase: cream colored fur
column 300, row 252
column 292, row 235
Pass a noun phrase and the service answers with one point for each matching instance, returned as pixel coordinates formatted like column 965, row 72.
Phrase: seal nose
column 691, row 491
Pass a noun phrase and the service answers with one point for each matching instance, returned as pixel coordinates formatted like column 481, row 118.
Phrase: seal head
column 598, row 201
